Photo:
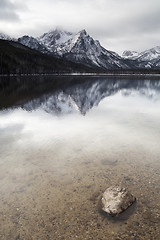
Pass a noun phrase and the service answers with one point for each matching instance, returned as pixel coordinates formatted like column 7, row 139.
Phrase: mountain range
column 16, row 58
column 151, row 56
column 82, row 49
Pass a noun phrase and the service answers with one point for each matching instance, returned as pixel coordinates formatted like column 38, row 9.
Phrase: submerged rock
column 116, row 200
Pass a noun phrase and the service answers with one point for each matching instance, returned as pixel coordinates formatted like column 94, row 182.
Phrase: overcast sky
column 118, row 24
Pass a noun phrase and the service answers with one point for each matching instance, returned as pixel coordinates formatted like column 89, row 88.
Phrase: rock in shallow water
column 116, row 200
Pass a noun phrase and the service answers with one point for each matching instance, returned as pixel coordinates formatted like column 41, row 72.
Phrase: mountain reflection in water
column 63, row 95
column 63, row 141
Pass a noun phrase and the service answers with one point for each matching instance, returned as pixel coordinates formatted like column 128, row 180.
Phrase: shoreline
column 81, row 74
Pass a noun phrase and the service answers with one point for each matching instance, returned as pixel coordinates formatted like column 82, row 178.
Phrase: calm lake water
column 63, row 141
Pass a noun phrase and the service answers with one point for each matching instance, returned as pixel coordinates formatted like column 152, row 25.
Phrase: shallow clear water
column 63, row 141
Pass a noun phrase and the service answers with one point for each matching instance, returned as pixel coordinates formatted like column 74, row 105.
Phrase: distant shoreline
column 81, row 74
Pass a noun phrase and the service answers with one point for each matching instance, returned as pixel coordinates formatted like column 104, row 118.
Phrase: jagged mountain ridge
column 152, row 56
column 19, row 59
column 147, row 55
column 54, row 38
column 4, row 36
column 130, row 54
column 33, row 43
column 82, row 48
column 79, row 48
column 149, row 58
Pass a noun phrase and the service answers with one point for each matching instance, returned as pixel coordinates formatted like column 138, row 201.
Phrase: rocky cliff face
column 79, row 48
column 33, row 43
column 84, row 49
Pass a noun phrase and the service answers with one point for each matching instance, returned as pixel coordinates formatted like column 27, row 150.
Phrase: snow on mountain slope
column 146, row 59
column 5, row 37
column 149, row 55
column 80, row 42
column 53, row 38
column 32, row 43
column 84, row 49
column 130, row 54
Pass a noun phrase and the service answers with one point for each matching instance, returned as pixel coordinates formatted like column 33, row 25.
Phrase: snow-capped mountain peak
column 54, row 38
column 82, row 48
column 130, row 54
column 80, row 43
column 150, row 54
column 146, row 59
column 4, row 36
column 82, row 33
column 79, row 48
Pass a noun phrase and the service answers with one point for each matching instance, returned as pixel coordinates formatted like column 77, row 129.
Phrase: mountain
column 82, row 48
column 33, row 43
column 79, row 48
column 54, row 38
column 19, row 59
column 149, row 55
column 152, row 56
column 4, row 36
column 146, row 59
column 129, row 54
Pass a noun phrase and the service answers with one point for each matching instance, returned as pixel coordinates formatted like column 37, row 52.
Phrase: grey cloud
column 140, row 22
column 8, row 16
column 116, row 23
column 6, row 4
column 9, row 10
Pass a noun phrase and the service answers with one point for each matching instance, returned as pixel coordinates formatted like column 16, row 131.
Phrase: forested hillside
column 16, row 58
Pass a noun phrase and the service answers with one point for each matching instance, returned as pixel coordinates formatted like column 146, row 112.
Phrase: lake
column 63, row 141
